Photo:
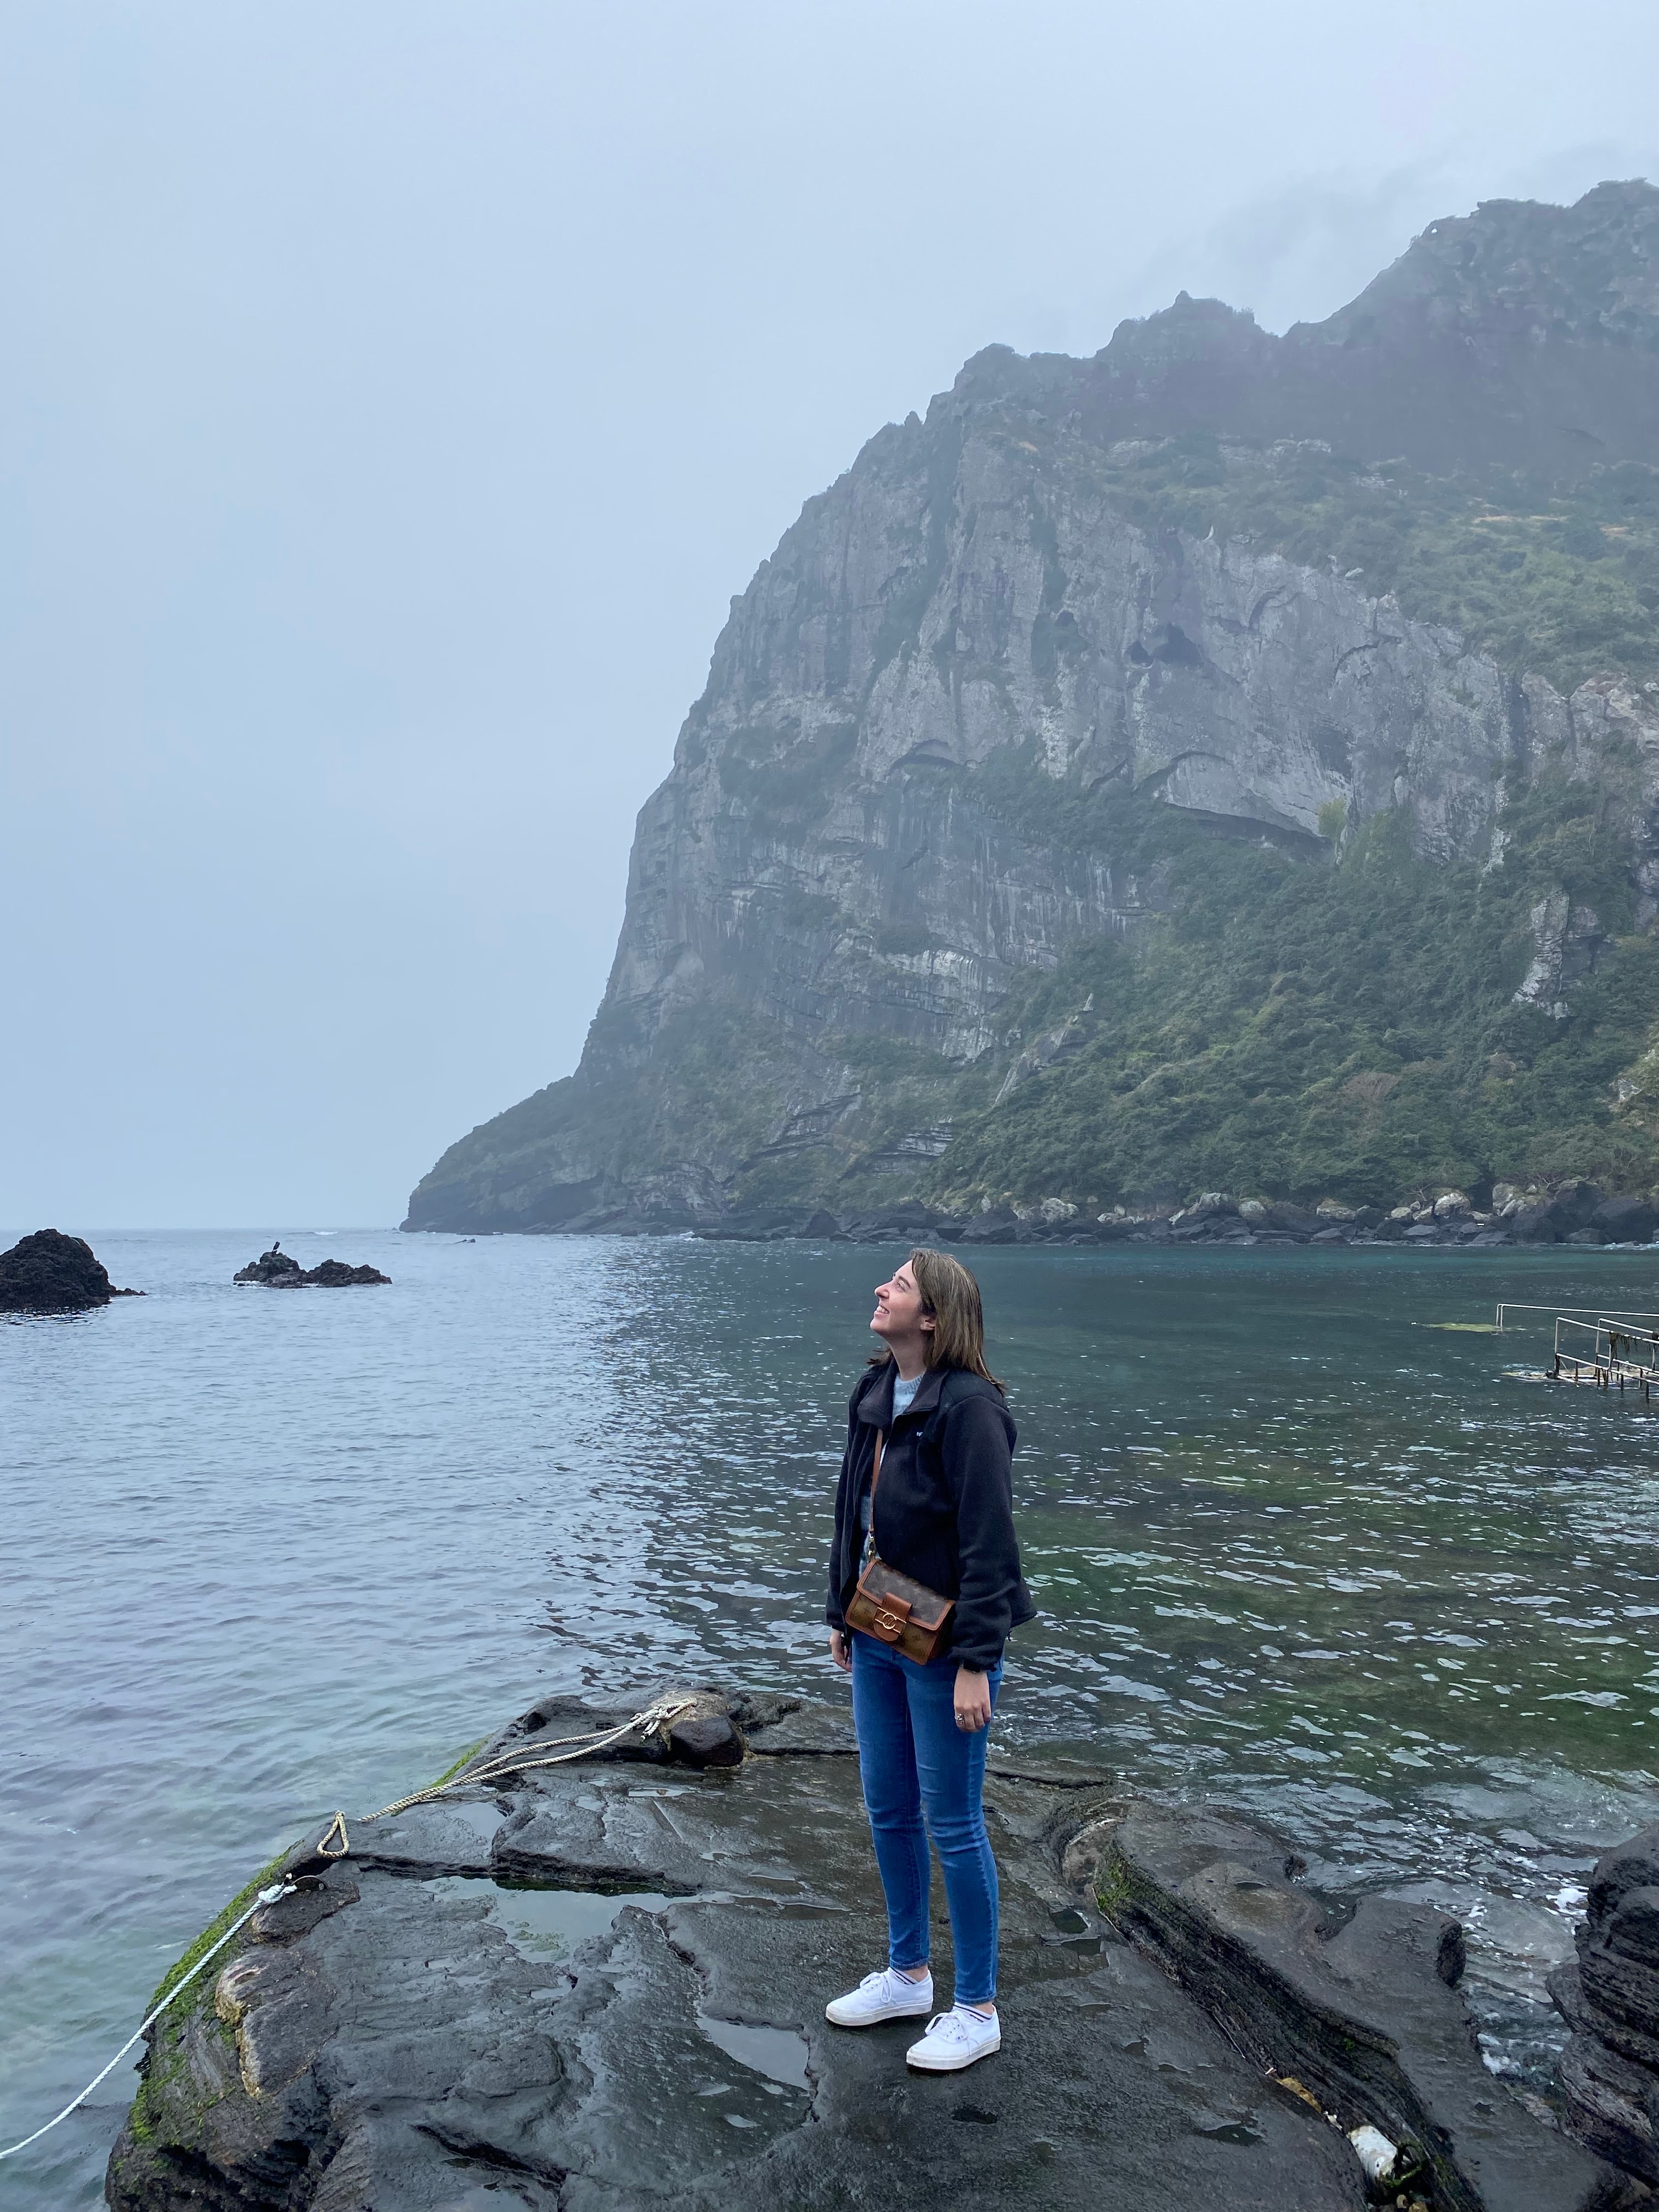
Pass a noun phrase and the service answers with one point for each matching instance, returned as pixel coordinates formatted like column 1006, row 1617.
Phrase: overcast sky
column 394, row 396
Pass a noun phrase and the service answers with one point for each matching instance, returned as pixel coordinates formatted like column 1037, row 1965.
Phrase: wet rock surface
column 1359, row 2007
column 50, row 1273
column 602, row 1983
column 1609, row 1998
column 280, row 1271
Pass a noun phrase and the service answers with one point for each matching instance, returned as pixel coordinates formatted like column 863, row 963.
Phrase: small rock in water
column 277, row 1267
column 280, row 1271
column 331, row 1274
column 50, row 1273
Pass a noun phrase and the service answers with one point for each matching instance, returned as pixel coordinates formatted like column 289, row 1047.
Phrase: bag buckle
column 889, row 1627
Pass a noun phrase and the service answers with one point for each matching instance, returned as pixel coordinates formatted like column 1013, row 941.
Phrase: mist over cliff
column 1229, row 761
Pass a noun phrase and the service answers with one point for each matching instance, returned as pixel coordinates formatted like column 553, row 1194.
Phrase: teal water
column 1298, row 1549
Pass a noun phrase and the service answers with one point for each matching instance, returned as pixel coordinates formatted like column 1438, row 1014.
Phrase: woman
column 943, row 1514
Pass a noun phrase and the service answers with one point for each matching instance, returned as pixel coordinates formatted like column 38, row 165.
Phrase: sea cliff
column 1229, row 763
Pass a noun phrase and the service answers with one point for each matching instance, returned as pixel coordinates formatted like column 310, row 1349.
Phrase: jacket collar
column 876, row 1405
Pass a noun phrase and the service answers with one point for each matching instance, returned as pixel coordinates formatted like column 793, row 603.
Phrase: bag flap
column 928, row 1608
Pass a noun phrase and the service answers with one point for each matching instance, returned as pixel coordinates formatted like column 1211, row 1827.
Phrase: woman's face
column 900, row 1313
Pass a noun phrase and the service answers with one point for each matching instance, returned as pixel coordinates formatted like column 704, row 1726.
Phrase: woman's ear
column 928, row 1322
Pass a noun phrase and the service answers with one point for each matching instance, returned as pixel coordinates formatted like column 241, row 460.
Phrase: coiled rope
column 655, row 1720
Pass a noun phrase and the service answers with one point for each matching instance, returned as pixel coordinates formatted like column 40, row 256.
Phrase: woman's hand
column 973, row 1700
column 838, row 1651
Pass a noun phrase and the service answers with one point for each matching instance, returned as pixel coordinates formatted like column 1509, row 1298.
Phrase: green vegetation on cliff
column 1348, row 1030
column 1344, row 1027
column 1561, row 580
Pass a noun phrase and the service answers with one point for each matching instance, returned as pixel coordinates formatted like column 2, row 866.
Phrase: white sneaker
column 955, row 2039
column 886, row 1996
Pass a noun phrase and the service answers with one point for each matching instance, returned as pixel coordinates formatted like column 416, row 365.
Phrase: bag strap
column 875, row 1476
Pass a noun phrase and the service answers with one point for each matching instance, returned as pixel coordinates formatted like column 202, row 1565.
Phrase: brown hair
column 951, row 1296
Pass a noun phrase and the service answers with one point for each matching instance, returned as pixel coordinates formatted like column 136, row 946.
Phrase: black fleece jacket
column 944, row 1509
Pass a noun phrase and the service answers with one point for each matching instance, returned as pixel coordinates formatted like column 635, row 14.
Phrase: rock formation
column 280, row 1271
column 1573, row 1211
column 1358, row 2006
column 1610, row 2000
column 944, row 724
column 50, row 1273
column 603, row 1985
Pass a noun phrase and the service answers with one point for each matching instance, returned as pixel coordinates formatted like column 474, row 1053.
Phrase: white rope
column 265, row 1897
column 503, row 1767
column 508, row 1765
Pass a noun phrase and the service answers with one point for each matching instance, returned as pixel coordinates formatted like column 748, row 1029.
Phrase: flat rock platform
column 603, row 1986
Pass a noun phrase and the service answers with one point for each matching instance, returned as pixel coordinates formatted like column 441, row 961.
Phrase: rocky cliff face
column 1520, row 333
column 939, row 721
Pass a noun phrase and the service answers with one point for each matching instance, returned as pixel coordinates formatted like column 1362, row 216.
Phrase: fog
column 394, row 397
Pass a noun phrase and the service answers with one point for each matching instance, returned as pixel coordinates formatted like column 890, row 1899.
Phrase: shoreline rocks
column 1574, row 1212
column 280, row 1271
column 1356, row 2001
column 50, row 1273
column 1609, row 2071
column 602, row 1983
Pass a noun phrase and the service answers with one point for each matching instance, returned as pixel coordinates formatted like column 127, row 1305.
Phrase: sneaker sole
column 876, row 2019
column 951, row 2065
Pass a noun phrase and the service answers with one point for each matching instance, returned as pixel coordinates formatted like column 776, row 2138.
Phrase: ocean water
column 1299, row 1548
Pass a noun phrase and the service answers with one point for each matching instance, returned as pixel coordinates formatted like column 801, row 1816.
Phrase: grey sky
column 395, row 395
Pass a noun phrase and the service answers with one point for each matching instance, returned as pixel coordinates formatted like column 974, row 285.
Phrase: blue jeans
column 913, row 1758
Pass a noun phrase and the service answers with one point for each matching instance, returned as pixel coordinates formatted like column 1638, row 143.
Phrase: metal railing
column 1614, row 1356
column 1572, row 1313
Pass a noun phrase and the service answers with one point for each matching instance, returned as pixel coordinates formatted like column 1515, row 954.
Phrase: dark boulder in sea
column 50, row 1273
column 333, row 1274
column 277, row 1268
column 280, row 1271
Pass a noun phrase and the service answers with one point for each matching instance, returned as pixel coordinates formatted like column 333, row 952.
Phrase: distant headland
column 1227, row 764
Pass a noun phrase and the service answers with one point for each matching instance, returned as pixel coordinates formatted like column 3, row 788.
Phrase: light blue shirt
column 903, row 1397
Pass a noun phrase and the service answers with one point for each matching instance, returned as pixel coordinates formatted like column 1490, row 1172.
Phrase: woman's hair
column 951, row 1295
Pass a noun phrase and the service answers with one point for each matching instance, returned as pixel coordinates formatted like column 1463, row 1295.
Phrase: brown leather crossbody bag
column 893, row 1606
